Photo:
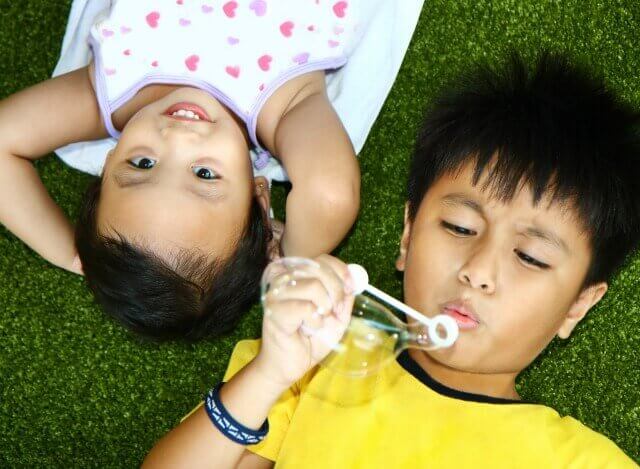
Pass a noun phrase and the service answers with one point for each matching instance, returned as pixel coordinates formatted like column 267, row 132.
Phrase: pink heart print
column 107, row 32
column 206, row 8
column 259, row 7
column 152, row 19
column 233, row 71
column 339, row 9
column 192, row 62
column 154, row 63
column 125, row 29
column 110, row 71
column 264, row 62
column 184, row 22
column 333, row 43
column 127, row 52
column 301, row 59
column 179, row 2
column 286, row 28
column 229, row 9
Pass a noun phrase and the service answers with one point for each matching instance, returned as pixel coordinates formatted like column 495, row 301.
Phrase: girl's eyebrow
column 140, row 150
column 128, row 178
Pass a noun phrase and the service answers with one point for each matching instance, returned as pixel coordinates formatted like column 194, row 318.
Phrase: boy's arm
column 316, row 151
column 33, row 123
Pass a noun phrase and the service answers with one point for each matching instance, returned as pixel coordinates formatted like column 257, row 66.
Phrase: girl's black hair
column 555, row 127
column 142, row 292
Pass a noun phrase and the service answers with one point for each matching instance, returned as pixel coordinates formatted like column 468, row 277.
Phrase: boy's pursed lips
column 463, row 312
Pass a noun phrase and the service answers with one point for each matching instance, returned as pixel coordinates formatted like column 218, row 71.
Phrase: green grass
column 76, row 390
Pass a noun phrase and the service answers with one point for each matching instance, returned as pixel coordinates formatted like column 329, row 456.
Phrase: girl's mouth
column 187, row 112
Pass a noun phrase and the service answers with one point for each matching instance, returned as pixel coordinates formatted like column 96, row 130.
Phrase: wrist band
column 227, row 425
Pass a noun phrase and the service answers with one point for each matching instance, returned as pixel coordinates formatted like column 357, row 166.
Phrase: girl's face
column 177, row 181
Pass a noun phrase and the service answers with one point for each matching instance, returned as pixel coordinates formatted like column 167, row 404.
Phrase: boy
column 520, row 207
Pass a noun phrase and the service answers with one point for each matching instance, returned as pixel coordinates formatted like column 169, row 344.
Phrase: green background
column 77, row 390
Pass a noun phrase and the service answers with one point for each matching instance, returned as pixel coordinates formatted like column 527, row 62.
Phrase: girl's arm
column 286, row 354
column 316, row 151
column 33, row 123
column 196, row 443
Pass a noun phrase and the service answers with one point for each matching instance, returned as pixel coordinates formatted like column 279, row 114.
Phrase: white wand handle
column 448, row 324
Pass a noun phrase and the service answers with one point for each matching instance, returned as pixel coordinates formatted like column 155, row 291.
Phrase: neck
column 501, row 385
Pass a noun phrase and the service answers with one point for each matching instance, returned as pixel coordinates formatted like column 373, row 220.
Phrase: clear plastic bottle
column 375, row 335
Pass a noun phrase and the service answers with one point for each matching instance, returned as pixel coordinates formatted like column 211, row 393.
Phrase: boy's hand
column 304, row 320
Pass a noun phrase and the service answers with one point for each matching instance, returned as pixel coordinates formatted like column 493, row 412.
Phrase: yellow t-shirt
column 402, row 418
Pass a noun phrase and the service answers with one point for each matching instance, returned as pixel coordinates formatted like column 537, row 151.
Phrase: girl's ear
column 263, row 195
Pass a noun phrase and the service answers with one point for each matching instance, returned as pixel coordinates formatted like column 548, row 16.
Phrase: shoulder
column 574, row 442
column 285, row 98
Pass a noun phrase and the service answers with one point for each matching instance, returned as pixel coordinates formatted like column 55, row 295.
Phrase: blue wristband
column 227, row 425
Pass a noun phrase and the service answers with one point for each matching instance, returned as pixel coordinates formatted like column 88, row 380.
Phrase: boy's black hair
column 146, row 295
column 557, row 129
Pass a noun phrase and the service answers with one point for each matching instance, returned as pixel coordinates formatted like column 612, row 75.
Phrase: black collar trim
column 406, row 362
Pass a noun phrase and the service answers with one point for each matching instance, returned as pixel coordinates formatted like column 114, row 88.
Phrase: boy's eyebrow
column 548, row 237
column 459, row 198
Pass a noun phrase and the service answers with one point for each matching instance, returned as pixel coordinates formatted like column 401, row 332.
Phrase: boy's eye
column 204, row 173
column 457, row 230
column 530, row 260
column 142, row 162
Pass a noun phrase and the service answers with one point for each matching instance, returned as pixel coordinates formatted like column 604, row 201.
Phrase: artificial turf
column 77, row 390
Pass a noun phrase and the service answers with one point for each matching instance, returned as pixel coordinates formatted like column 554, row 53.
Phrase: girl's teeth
column 187, row 114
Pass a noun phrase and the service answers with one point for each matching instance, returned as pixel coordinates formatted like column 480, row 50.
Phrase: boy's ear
column 404, row 240
column 585, row 301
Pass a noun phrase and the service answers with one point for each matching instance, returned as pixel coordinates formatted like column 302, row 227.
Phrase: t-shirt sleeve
column 281, row 413
column 584, row 448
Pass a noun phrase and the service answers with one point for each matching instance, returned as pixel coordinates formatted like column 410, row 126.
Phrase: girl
column 174, row 235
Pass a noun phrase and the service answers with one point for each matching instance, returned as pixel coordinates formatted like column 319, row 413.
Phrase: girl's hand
column 304, row 319
column 76, row 266
column 275, row 249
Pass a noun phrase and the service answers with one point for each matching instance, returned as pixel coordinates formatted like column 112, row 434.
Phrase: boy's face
column 177, row 182
column 510, row 274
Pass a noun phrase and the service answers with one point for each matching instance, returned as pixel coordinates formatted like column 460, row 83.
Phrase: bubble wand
column 447, row 323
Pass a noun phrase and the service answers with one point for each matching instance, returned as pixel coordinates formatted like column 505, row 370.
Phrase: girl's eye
column 457, row 230
column 204, row 173
column 530, row 260
column 142, row 162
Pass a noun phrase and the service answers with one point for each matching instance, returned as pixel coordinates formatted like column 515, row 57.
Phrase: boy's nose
column 479, row 272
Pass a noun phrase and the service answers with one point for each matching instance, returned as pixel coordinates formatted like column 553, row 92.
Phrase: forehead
column 170, row 222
